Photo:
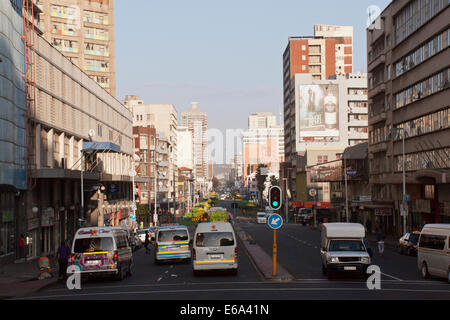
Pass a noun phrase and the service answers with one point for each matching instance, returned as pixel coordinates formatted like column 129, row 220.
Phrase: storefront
column 47, row 232
column 7, row 239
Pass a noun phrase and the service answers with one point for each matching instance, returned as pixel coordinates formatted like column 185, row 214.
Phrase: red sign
column 297, row 204
column 317, row 204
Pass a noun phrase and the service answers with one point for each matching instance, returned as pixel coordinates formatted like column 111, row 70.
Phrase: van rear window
column 172, row 235
column 93, row 244
column 214, row 239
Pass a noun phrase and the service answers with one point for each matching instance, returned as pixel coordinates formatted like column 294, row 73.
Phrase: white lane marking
column 159, row 279
column 235, row 289
column 387, row 275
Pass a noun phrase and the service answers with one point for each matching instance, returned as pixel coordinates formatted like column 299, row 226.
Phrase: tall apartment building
column 197, row 121
column 83, row 30
column 262, row 143
column 409, row 63
column 185, row 148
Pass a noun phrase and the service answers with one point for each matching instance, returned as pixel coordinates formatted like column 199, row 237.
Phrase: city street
column 298, row 252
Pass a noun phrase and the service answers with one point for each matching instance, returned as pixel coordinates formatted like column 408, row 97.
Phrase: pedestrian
column 63, row 254
column 369, row 249
column 146, row 242
column 22, row 246
column 380, row 239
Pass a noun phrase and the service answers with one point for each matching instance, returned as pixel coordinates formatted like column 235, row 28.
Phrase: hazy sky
column 225, row 55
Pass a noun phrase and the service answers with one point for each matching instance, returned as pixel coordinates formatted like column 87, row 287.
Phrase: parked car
column 305, row 216
column 408, row 243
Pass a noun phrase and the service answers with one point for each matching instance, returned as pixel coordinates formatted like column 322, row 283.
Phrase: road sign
column 312, row 192
column 404, row 209
column 351, row 172
column 275, row 221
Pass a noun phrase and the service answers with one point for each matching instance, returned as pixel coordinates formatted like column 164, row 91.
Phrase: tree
column 274, row 181
column 215, row 183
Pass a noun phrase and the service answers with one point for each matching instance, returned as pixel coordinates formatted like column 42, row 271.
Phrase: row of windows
column 378, row 135
column 429, row 49
column 434, row 159
column 97, row 65
column 357, row 91
column 429, row 86
column 74, row 13
column 414, row 15
column 426, row 124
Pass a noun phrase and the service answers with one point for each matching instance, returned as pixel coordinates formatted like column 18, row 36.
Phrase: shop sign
column 47, row 218
column 423, row 205
column 33, row 224
column 7, row 216
column 383, row 212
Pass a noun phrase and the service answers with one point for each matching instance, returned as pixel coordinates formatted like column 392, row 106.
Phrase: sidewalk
column 261, row 260
column 20, row 279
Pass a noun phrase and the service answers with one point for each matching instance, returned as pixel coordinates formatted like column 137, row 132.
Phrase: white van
column 102, row 251
column 343, row 249
column 261, row 217
column 433, row 254
column 214, row 247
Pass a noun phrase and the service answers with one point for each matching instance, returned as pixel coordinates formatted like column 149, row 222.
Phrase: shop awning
column 100, row 146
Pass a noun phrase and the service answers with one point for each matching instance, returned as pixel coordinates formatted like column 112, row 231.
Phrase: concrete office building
column 330, row 115
column 77, row 127
column 164, row 118
column 83, row 30
column 409, row 64
column 185, row 148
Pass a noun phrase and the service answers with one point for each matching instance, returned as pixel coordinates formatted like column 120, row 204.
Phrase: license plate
column 350, row 268
column 215, row 256
column 93, row 262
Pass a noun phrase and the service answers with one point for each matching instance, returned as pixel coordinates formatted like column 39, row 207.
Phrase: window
column 214, row 239
column 432, row 241
column 429, row 192
column 99, row 130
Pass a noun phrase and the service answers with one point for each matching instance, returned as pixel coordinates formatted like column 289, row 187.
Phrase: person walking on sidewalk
column 380, row 239
column 22, row 246
column 147, row 242
column 63, row 257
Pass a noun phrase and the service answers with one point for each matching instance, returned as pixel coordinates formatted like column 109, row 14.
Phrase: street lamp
column 403, row 174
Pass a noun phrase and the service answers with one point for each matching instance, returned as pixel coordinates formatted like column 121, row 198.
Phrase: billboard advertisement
column 318, row 110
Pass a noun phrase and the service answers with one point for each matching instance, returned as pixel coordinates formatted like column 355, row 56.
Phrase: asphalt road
column 298, row 253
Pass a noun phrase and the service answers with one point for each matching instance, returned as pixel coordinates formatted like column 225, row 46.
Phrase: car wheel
column 410, row 251
column 448, row 275
column 425, row 273
column 130, row 269
column 234, row 272
column 400, row 249
column 324, row 270
column 119, row 276
column 196, row 273
column 330, row 275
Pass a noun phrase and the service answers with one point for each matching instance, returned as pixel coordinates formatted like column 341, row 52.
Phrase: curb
column 263, row 275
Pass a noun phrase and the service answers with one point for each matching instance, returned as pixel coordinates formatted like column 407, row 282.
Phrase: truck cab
column 343, row 250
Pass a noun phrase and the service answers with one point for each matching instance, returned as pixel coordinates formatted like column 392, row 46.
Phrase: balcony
column 380, row 59
column 379, row 147
column 162, row 150
column 358, row 135
column 162, row 163
column 378, row 118
column 377, row 89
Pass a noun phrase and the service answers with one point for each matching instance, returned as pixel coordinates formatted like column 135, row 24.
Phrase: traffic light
column 275, row 198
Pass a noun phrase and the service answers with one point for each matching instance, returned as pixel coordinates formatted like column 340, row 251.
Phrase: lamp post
column 403, row 174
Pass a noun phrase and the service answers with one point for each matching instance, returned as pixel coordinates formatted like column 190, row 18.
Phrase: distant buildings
column 197, row 121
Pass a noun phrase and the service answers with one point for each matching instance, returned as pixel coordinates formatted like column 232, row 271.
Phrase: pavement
column 20, row 279
column 261, row 260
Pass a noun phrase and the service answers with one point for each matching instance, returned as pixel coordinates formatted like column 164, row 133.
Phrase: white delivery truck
column 343, row 249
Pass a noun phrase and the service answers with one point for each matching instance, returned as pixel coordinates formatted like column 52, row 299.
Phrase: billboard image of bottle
column 318, row 106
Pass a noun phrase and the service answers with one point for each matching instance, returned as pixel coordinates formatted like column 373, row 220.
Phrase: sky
column 225, row 55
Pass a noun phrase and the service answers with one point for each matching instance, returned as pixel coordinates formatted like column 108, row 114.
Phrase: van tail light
column 193, row 254
column 235, row 254
column 115, row 256
column 72, row 258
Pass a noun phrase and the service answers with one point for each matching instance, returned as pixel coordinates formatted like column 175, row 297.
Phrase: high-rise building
column 409, row 92
column 197, row 121
column 185, row 148
column 262, row 143
column 83, row 30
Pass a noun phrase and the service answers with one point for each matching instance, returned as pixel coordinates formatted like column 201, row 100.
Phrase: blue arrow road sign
column 275, row 221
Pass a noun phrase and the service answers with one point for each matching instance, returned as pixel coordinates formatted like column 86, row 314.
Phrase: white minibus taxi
column 433, row 252
column 261, row 217
column 214, row 247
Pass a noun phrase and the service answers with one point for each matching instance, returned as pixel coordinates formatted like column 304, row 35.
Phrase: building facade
column 409, row 65
column 82, row 142
column 197, row 121
column 83, row 30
